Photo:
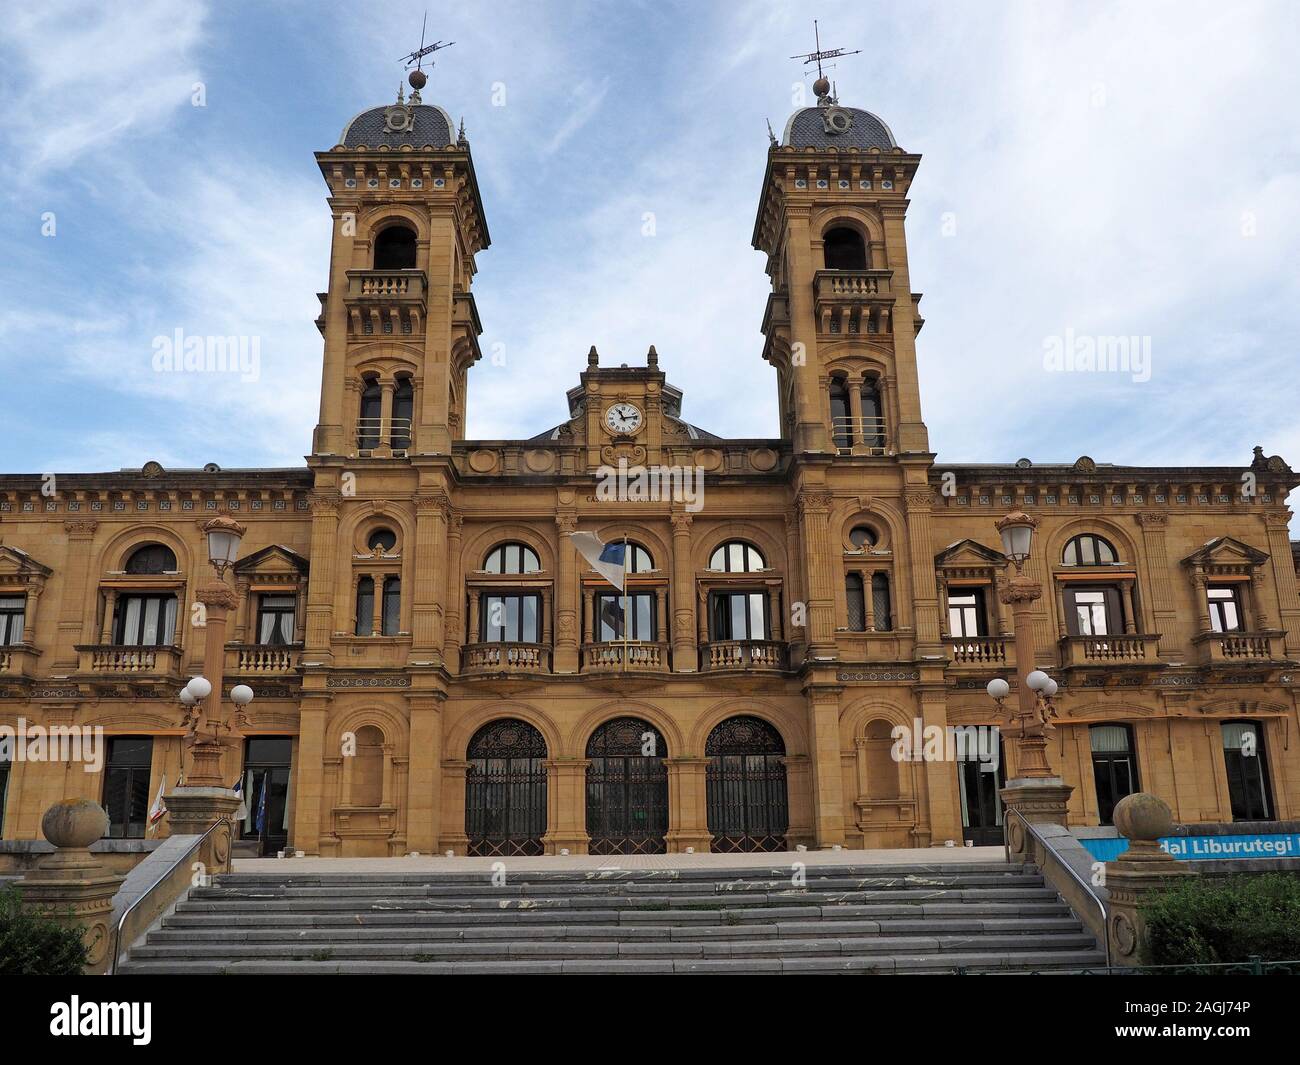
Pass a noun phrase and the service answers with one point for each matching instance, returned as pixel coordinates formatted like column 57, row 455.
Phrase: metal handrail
column 121, row 921
column 1008, row 813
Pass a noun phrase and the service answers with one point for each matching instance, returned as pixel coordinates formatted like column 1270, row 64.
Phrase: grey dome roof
column 807, row 129
column 430, row 125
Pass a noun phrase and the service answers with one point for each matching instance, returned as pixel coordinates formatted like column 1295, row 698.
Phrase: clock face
column 623, row 418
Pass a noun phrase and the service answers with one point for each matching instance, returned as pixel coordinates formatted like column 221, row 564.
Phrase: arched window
column 369, row 414
column 841, row 418
column 368, row 767
column 863, row 537
column 512, row 558
column 638, row 559
column 627, row 788
column 365, row 607
column 873, row 417
column 1089, row 549
column 844, row 249
column 737, row 556
column 403, row 411
column 745, row 786
column 395, row 249
column 392, row 606
column 152, row 559
column 382, row 540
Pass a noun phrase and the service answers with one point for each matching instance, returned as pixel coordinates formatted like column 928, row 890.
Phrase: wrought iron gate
column 505, row 790
column 746, row 786
column 627, row 788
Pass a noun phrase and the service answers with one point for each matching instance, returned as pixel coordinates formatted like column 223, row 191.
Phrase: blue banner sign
column 1206, row 848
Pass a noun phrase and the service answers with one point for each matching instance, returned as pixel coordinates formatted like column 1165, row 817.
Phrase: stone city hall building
column 436, row 669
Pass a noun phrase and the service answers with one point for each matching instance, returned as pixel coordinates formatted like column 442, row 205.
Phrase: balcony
column 1127, row 649
column 631, row 658
column 256, row 660
column 724, row 655
column 383, row 437
column 853, row 301
column 18, row 660
column 858, row 436
column 1238, row 648
column 386, row 302
column 129, row 664
column 511, row 658
column 977, row 651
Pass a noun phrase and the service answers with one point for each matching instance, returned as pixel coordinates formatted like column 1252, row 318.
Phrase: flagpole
column 627, row 602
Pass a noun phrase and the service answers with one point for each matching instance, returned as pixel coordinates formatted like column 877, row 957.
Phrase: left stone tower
column 399, row 322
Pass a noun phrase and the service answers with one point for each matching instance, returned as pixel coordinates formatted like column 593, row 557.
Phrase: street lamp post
column 205, row 798
column 1036, row 791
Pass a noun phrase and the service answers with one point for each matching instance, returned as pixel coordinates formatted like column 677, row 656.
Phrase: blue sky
column 1089, row 169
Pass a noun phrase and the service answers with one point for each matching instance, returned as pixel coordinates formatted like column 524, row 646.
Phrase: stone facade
column 850, row 636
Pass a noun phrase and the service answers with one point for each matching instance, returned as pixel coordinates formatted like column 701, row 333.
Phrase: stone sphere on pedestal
column 74, row 823
column 1142, row 816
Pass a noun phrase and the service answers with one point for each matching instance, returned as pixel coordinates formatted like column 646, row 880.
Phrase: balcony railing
column 615, row 657
column 251, row 659
column 1238, row 648
column 743, row 654
column 386, row 284
column 373, row 433
column 977, row 650
column 852, row 284
column 18, row 660
column 1121, row 649
column 506, row 658
column 117, row 660
column 858, row 436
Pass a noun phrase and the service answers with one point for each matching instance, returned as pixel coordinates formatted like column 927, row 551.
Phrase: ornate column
column 430, row 572
column 827, row 768
column 686, row 655
column 424, row 776
column 310, row 771
column 566, row 597
column 453, row 592
column 566, row 820
column 811, row 433
column 819, row 563
column 244, row 598
column 1130, row 613
column 857, row 435
column 921, row 566
column 76, row 617
column 110, row 609
column 1153, row 525
column 1284, row 578
column 451, row 834
column 688, row 805
column 320, row 580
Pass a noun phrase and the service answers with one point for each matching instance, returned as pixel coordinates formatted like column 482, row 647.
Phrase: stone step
column 323, row 949
column 614, row 932
column 226, row 889
column 213, row 917
column 881, row 964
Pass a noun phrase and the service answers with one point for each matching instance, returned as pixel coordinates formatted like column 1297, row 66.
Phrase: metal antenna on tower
column 417, row 77
column 822, row 86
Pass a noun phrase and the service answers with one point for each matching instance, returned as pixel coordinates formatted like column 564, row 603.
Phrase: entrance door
column 505, row 790
column 267, row 762
column 981, row 805
column 1244, row 759
column 745, row 786
column 627, row 788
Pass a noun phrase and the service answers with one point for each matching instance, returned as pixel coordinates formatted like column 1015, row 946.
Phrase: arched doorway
column 746, row 787
column 505, row 790
column 627, row 788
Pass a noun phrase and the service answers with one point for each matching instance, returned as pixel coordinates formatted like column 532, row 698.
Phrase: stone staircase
column 868, row 919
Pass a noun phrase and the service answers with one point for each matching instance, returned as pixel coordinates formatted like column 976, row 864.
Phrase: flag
column 261, row 802
column 159, row 807
column 242, row 813
column 609, row 560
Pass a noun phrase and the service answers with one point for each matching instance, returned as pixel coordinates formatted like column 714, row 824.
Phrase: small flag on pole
column 242, row 813
column 159, row 808
column 609, row 560
column 261, row 803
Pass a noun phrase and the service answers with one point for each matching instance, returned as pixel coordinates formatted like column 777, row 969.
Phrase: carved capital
column 1151, row 518
column 566, row 523
column 433, row 503
column 919, row 500
column 80, row 530
column 814, row 502
column 217, row 593
column 325, row 506
column 1020, row 589
column 681, row 524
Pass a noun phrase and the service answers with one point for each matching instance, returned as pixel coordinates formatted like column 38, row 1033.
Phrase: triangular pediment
column 969, row 553
column 14, row 562
column 1225, row 551
column 276, row 560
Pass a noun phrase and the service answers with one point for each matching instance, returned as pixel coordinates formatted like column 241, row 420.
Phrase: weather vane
column 819, row 55
column 417, row 77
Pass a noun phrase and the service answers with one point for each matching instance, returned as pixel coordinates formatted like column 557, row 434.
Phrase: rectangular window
column 126, row 786
column 966, row 613
column 739, row 616
column 1225, row 608
column 613, row 610
column 365, row 606
column 145, row 620
column 392, row 616
column 1114, row 767
column 1243, row 756
column 267, row 765
column 882, row 617
column 275, row 620
column 1093, row 611
column 13, row 610
column 856, row 601
column 4, row 791
column 512, row 618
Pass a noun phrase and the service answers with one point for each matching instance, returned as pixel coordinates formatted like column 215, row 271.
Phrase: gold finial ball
column 74, row 823
column 1143, row 816
column 418, row 79
column 822, row 87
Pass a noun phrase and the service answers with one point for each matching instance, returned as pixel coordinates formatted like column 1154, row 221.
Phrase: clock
column 623, row 418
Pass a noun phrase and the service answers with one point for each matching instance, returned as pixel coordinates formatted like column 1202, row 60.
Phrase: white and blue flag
column 609, row 560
